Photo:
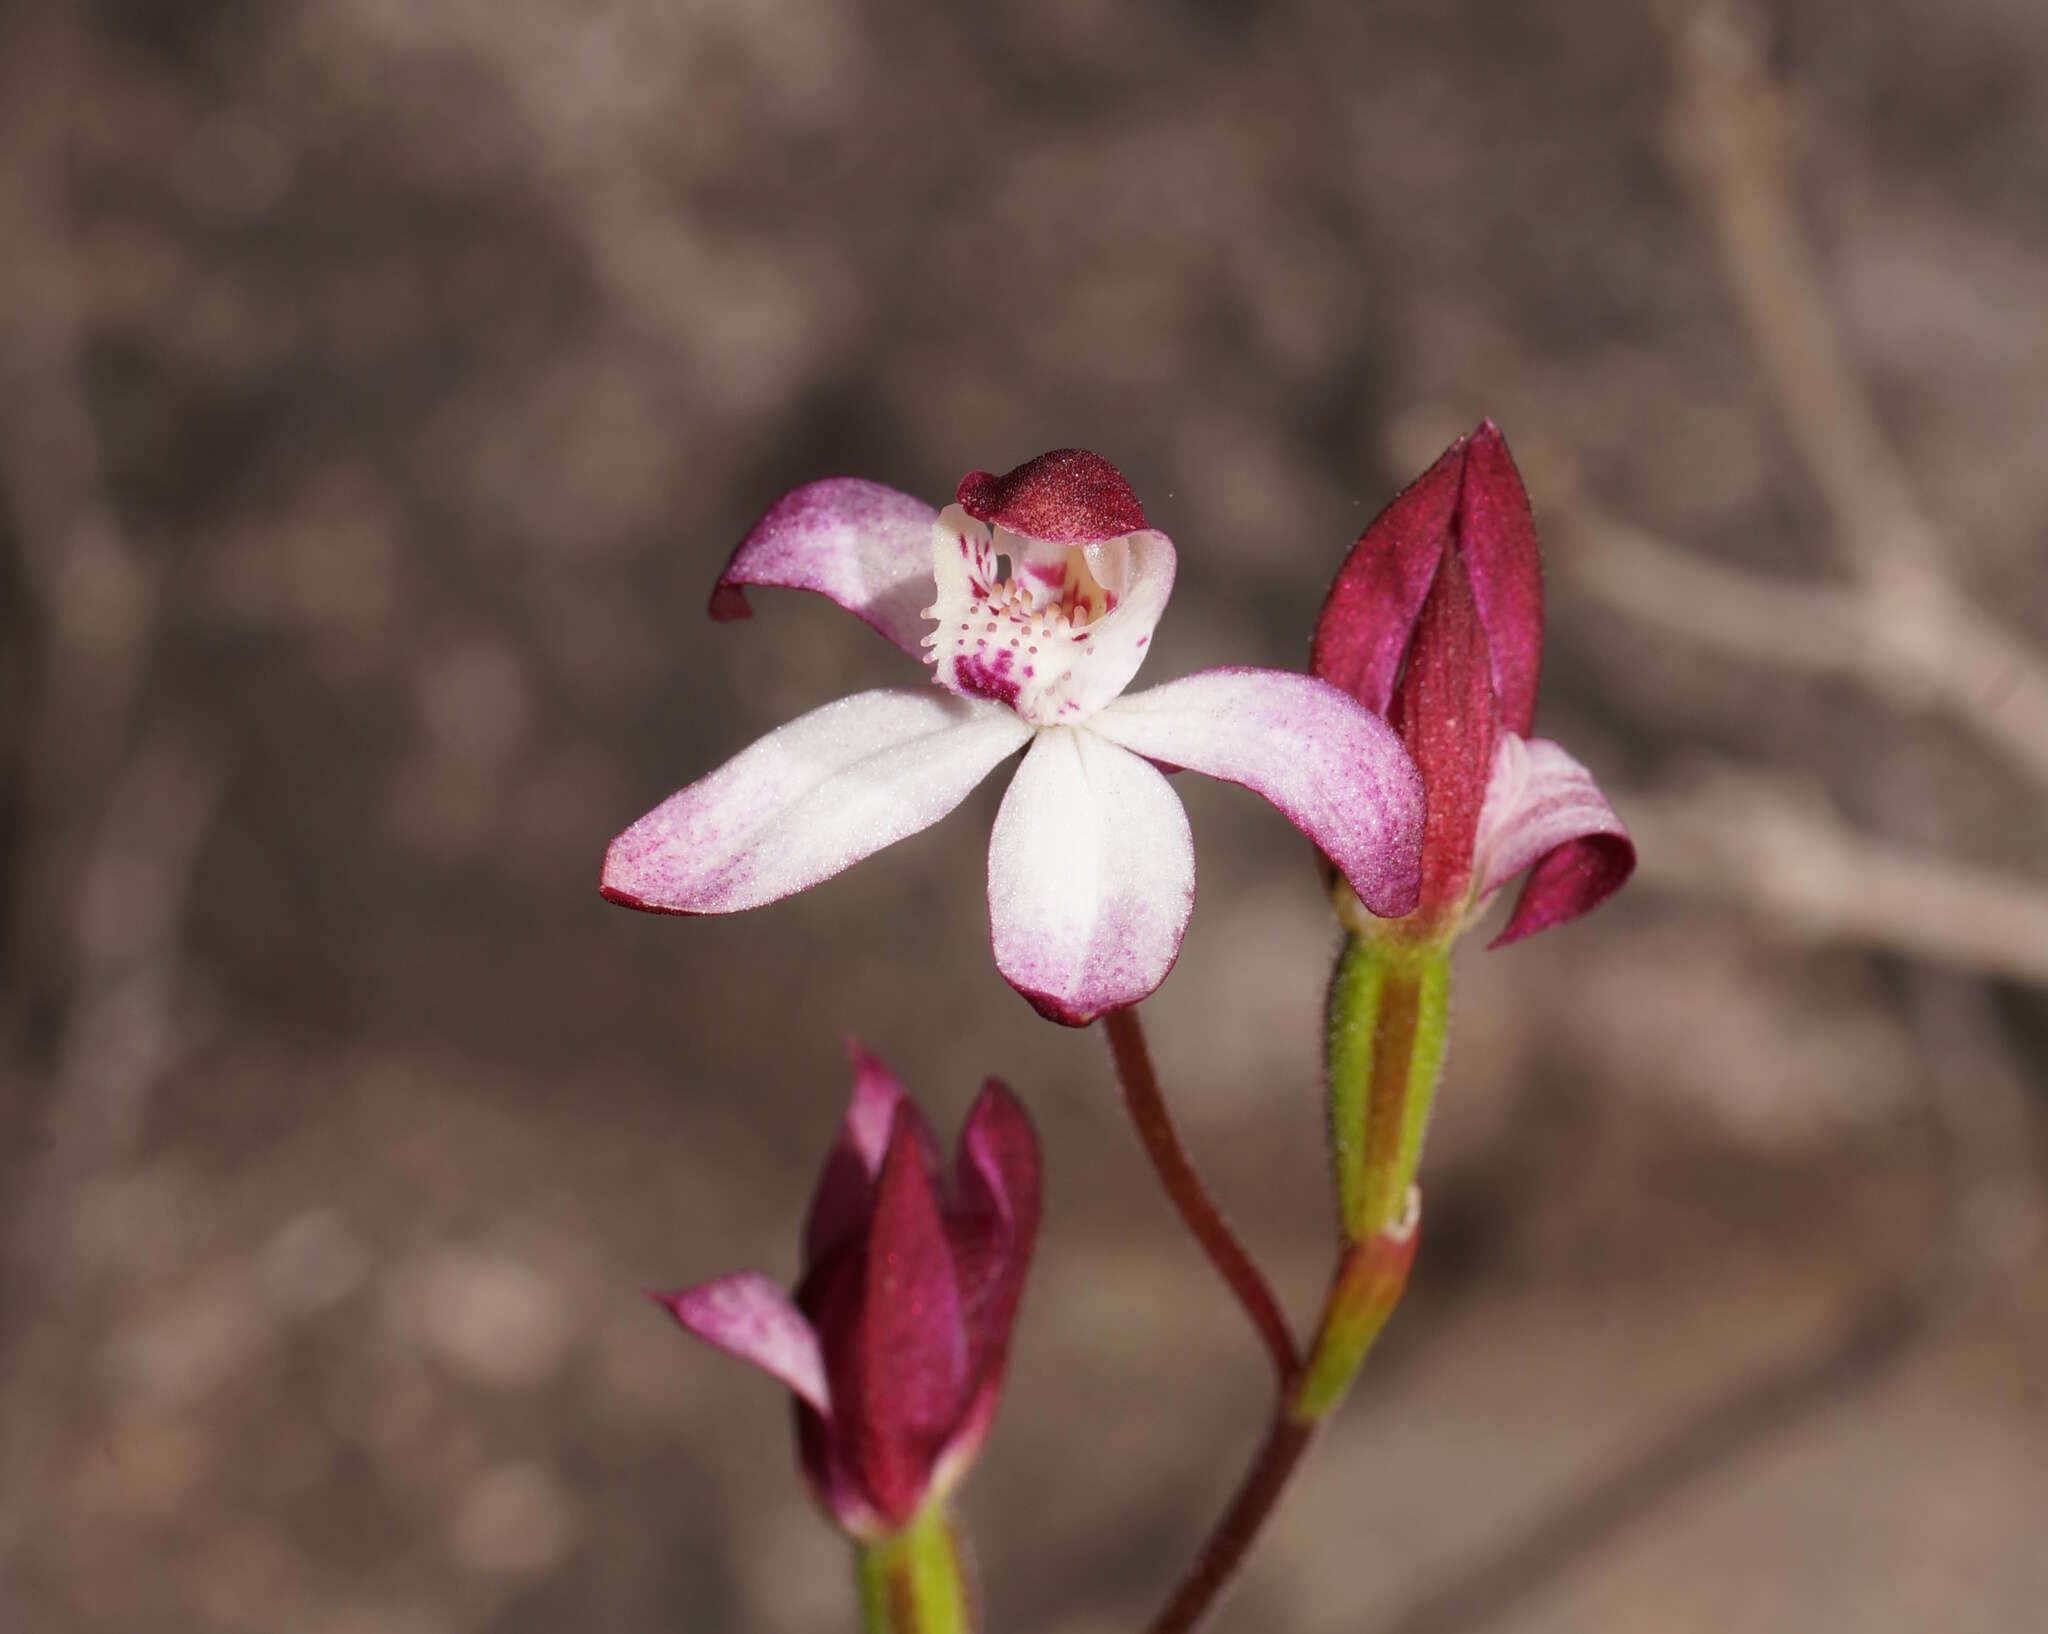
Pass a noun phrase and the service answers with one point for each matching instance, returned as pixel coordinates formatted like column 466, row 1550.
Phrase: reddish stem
column 1257, row 1496
column 1197, row 1208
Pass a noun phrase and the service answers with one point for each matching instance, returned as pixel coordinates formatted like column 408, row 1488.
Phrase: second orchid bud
column 895, row 1343
column 1436, row 622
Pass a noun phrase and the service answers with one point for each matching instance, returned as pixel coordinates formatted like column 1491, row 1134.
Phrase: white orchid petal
column 1544, row 811
column 1331, row 766
column 1091, row 877
column 808, row 800
column 861, row 544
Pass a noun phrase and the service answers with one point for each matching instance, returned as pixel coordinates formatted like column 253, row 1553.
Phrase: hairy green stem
column 1388, row 1020
column 1388, row 1013
column 915, row 1581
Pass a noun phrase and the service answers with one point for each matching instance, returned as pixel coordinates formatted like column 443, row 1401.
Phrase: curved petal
column 867, row 547
column 993, row 1220
column 1544, row 811
column 1136, row 572
column 748, row 1316
column 1335, row 769
column 1091, row 877
column 1060, row 633
column 1498, row 536
column 808, row 800
column 1369, row 614
column 845, row 1191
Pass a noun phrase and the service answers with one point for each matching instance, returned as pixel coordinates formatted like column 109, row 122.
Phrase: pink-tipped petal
column 913, row 1346
column 1091, row 877
column 1068, row 497
column 867, row 547
column 748, row 1316
column 1497, row 535
column 845, row 1192
column 808, row 800
column 1543, row 811
column 992, row 1222
column 1057, row 638
column 1445, row 712
column 1331, row 766
column 1363, row 630
column 997, row 1170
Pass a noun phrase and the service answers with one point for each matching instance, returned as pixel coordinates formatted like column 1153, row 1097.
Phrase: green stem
column 914, row 1581
column 1368, row 1285
column 1388, row 1019
column 1387, row 1013
column 1353, row 1012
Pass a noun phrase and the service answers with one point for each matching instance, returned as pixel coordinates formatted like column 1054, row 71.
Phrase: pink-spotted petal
column 1331, row 766
column 748, row 1316
column 1091, row 877
column 810, row 799
column 865, row 546
column 1054, row 631
column 845, row 1191
column 1544, row 812
column 1497, row 535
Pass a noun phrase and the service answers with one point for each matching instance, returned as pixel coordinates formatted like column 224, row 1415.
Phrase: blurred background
column 382, row 386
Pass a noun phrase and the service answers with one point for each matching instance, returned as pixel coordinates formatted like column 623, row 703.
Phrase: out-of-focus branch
column 1733, row 138
column 1932, row 651
column 1746, row 842
column 93, row 597
column 117, row 1037
column 112, row 818
column 1913, row 648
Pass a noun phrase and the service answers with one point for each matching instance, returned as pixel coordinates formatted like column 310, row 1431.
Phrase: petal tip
column 1055, row 1008
column 728, row 603
column 618, row 883
column 1568, row 883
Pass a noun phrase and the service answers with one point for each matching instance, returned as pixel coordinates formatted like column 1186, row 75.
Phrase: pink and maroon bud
column 895, row 1343
column 1436, row 622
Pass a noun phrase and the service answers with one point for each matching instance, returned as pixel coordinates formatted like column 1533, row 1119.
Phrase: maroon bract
column 1436, row 621
column 895, row 1344
column 1033, row 599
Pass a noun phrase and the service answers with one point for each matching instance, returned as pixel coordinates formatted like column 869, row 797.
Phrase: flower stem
column 1370, row 1281
column 1198, row 1210
column 1388, row 1021
column 1257, row 1496
column 1388, row 1016
column 913, row 1581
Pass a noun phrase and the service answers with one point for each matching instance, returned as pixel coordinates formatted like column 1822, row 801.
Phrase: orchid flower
column 1033, row 597
column 1436, row 621
column 895, row 1343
